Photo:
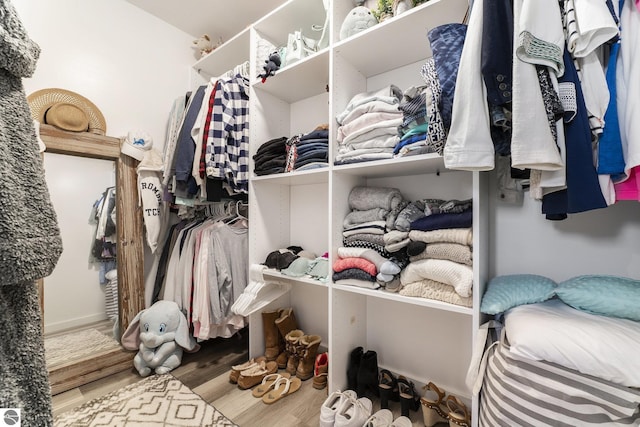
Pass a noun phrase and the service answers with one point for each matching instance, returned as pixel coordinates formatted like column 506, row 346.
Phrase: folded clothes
column 342, row 264
column 311, row 160
column 438, row 291
column 377, row 239
column 364, row 198
column 463, row 236
column 277, row 162
column 443, row 221
column 312, row 165
column 370, row 107
column 421, row 137
column 274, row 145
column 370, row 227
column 360, row 158
column 451, row 251
column 353, row 273
column 383, row 265
column 413, row 211
column 391, row 94
column 358, row 217
column 367, row 121
column 368, row 245
column 271, row 171
column 316, row 134
column 434, row 206
column 356, row 282
column 451, row 273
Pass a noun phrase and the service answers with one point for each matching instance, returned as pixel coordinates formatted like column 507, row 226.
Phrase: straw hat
column 66, row 110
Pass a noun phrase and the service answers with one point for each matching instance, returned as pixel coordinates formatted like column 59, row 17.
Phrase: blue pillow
column 605, row 295
column 505, row 292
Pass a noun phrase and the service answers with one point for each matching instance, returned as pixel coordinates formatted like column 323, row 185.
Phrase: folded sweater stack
column 364, row 261
column 308, row 151
column 271, row 157
column 368, row 126
column 440, row 250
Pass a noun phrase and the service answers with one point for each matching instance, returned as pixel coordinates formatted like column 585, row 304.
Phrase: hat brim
column 40, row 101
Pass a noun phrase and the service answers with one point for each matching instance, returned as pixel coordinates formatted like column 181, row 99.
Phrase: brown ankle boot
column 271, row 349
column 321, row 371
column 285, row 323
column 309, row 346
column 293, row 344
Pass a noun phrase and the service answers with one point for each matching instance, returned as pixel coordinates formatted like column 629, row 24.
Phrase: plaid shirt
column 227, row 145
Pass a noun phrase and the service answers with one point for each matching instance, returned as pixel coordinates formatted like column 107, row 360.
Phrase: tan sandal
column 433, row 411
column 236, row 369
column 252, row 376
column 283, row 387
column 267, row 383
column 459, row 415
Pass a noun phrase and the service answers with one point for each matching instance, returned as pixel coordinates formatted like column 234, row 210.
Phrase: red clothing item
column 342, row 264
column 207, row 124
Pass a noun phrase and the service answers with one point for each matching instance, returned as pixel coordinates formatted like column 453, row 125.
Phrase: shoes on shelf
column 459, row 415
column 409, row 398
column 354, row 365
column 236, row 369
column 433, row 405
column 354, row 412
column 388, row 387
column 367, row 379
column 307, row 351
column 401, row 422
column 382, row 418
column 332, row 404
column 321, row 371
column 254, row 375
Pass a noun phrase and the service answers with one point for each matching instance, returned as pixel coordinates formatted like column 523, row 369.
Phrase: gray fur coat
column 30, row 242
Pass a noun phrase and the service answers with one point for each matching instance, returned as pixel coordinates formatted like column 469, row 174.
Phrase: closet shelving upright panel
column 289, row 209
column 424, row 340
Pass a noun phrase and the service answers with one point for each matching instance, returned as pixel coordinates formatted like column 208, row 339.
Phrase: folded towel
column 451, row 273
column 365, row 198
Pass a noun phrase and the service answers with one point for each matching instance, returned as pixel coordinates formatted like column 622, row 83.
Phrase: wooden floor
column 207, row 374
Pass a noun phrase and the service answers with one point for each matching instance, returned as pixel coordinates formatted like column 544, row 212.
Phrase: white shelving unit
column 424, row 340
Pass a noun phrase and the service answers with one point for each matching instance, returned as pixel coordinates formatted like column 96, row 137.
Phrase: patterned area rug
column 80, row 344
column 158, row 400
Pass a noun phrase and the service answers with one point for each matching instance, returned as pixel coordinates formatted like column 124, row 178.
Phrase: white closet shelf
column 274, row 275
column 313, row 176
column 300, row 80
column 233, row 52
column 423, row 302
column 401, row 166
column 370, row 51
column 289, row 17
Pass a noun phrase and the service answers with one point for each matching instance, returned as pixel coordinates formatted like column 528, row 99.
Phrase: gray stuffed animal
column 359, row 18
column 160, row 334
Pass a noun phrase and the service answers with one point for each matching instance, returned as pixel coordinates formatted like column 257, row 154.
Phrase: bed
column 555, row 365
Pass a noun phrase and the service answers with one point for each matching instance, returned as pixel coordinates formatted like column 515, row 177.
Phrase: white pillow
column 605, row 347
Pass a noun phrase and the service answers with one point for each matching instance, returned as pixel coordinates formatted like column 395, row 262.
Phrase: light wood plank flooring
column 207, row 374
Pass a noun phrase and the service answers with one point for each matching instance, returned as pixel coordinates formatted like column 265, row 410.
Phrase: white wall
column 603, row 241
column 132, row 66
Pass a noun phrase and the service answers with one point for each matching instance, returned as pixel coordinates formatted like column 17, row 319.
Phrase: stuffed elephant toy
column 160, row 334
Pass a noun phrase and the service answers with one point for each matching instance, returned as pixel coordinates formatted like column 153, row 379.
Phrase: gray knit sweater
column 30, row 242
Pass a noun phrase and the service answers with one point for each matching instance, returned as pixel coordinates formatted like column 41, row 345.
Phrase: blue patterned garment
column 446, row 43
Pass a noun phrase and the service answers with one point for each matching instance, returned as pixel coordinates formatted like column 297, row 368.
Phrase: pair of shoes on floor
column 236, row 369
column 437, row 408
column 345, row 409
column 362, row 372
column 384, row 418
column 255, row 374
column 274, row 387
column 398, row 389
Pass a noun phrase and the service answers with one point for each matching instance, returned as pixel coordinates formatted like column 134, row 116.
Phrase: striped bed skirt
column 517, row 391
